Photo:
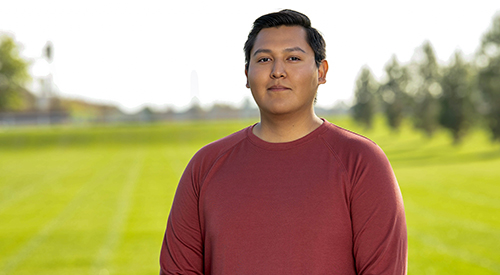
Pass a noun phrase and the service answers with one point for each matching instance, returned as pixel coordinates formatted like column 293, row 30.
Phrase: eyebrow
column 294, row 49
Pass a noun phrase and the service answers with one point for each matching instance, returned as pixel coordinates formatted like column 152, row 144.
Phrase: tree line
column 455, row 96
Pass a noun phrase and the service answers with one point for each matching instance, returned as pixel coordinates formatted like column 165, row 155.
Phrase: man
column 292, row 194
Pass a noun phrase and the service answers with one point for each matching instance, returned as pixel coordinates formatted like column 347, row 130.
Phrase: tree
column 456, row 100
column 488, row 61
column 426, row 105
column 365, row 106
column 13, row 75
column 393, row 93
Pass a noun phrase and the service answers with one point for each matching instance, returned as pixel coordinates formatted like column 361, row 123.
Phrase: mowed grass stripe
column 28, row 215
column 24, row 182
column 143, row 233
column 88, row 230
column 450, row 200
column 465, row 239
column 448, row 259
column 20, row 171
column 27, row 249
column 101, row 263
column 470, row 237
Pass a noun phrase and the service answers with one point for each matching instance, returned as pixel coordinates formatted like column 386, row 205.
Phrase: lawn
column 94, row 200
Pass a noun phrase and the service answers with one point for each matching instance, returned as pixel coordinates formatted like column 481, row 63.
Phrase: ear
column 246, row 74
column 322, row 70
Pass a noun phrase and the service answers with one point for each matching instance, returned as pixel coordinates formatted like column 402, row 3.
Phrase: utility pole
column 46, row 86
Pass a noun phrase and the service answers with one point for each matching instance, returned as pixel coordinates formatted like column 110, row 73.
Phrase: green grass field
column 94, row 200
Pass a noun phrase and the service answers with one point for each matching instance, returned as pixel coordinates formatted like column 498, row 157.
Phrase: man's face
column 282, row 71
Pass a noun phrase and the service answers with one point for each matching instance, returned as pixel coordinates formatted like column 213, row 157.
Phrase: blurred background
column 103, row 103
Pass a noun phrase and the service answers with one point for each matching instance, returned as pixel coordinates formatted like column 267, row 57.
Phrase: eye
column 264, row 59
column 294, row 58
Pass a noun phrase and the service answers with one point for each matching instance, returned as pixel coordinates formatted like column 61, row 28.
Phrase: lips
column 278, row 88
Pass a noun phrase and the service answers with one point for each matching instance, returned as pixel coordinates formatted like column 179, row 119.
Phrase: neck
column 286, row 128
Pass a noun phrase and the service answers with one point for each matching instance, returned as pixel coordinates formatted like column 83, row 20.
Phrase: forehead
column 281, row 37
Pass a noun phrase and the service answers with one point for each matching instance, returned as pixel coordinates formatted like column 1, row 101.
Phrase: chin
column 275, row 108
column 279, row 110
column 283, row 107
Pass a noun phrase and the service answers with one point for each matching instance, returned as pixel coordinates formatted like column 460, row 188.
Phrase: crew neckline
column 285, row 145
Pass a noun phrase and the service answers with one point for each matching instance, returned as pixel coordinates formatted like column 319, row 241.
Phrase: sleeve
column 182, row 248
column 378, row 218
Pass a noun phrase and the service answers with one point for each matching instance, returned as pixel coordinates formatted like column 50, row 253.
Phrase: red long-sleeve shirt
column 327, row 203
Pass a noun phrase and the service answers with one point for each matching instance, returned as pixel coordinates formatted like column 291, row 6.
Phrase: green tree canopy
column 456, row 100
column 365, row 106
column 426, row 107
column 489, row 76
column 13, row 75
column 393, row 93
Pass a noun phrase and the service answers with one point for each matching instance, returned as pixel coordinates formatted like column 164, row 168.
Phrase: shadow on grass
column 440, row 155
column 433, row 159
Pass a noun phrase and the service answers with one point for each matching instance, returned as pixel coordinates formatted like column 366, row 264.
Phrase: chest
column 291, row 191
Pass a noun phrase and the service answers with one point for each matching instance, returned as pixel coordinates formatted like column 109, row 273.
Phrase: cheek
column 308, row 76
column 256, row 76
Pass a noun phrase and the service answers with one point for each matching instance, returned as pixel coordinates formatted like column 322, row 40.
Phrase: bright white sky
column 138, row 53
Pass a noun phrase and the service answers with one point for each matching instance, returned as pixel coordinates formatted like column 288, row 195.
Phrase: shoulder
column 209, row 153
column 224, row 144
column 358, row 154
column 344, row 141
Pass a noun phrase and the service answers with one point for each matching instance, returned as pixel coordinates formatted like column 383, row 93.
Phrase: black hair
column 287, row 18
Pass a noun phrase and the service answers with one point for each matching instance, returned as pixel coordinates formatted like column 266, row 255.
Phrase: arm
column 182, row 249
column 378, row 218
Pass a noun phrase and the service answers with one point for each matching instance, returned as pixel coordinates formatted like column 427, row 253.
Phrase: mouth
column 278, row 88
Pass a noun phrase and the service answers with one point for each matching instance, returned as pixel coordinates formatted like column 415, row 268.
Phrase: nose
column 278, row 70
